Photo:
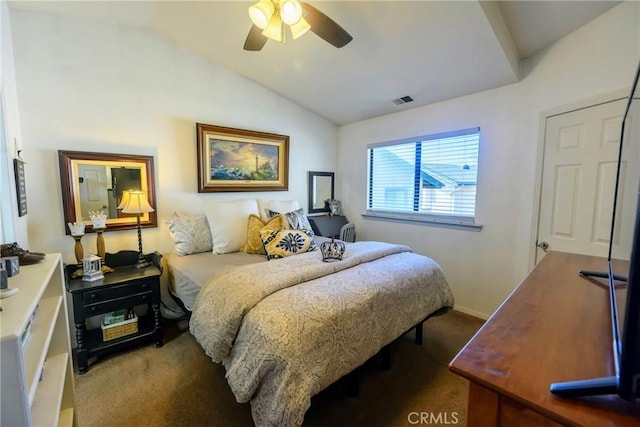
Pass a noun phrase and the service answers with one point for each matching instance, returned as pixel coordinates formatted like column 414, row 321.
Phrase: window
column 431, row 178
column 7, row 233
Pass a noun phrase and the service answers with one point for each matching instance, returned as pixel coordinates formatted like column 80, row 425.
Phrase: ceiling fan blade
column 326, row 28
column 255, row 40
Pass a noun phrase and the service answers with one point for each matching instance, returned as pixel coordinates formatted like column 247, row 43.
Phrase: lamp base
column 141, row 264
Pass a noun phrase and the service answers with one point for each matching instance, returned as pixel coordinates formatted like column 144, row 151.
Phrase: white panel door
column 578, row 180
column 93, row 189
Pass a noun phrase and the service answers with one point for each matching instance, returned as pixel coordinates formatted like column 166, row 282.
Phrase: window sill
column 415, row 219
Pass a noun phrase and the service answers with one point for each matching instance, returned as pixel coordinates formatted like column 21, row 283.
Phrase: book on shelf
column 114, row 317
column 118, row 316
column 27, row 330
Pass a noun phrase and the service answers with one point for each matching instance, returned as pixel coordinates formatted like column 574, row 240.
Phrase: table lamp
column 135, row 202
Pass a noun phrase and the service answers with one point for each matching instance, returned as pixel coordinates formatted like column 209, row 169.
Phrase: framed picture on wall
column 232, row 159
column 21, row 188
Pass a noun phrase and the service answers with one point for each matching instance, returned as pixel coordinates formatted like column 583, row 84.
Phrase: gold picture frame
column 232, row 159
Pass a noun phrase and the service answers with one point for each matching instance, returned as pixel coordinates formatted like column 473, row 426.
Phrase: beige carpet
column 178, row 385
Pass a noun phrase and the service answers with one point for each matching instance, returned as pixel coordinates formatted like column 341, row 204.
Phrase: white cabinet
column 37, row 369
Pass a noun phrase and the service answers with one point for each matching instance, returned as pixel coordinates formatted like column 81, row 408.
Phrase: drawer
column 118, row 304
column 98, row 295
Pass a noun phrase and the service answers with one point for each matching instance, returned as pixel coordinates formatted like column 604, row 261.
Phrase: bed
column 285, row 329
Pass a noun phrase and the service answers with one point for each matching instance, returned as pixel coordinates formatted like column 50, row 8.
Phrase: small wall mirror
column 320, row 190
column 95, row 182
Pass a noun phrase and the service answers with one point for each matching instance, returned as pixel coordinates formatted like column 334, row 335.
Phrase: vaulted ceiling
column 429, row 50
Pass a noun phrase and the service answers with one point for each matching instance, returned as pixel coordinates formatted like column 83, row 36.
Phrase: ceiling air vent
column 403, row 100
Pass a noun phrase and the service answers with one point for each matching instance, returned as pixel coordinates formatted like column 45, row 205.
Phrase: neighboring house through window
column 426, row 178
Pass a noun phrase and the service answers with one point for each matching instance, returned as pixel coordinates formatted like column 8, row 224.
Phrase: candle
column 77, row 228
column 98, row 219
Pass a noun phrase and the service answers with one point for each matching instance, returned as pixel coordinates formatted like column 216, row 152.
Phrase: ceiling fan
column 272, row 18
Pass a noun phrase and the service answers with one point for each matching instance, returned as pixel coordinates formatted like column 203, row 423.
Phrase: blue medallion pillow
column 284, row 243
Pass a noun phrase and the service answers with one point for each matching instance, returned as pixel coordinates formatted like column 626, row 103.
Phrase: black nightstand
column 125, row 287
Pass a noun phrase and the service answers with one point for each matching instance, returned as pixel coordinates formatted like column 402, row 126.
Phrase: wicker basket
column 117, row 330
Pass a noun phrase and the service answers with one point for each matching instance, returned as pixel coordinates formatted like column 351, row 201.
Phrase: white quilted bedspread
column 288, row 328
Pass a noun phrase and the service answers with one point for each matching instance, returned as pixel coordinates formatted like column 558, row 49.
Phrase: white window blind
column 432, row 176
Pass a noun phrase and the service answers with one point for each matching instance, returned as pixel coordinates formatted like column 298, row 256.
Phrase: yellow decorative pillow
column 284, row 243
column 254, row 242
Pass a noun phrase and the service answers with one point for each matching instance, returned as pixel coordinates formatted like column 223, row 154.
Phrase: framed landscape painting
column 241, row 160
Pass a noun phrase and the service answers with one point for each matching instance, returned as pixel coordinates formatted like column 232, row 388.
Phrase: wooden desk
column 554, row 327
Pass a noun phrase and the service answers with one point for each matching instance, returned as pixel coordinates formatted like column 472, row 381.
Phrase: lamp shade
column 125, row 199
column 275, row 16
column 274, row 29
column 290, row 11
column 299, row 28
column 135, row 202
column 261, row 12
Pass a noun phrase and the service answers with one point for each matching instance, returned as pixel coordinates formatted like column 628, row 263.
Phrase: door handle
column 543, row 245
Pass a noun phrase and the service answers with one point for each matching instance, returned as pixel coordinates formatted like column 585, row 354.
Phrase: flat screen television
column 623, row 278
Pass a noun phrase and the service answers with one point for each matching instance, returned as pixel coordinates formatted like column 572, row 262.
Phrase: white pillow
column 228, row 223
column 277, row 206
column 190, row 233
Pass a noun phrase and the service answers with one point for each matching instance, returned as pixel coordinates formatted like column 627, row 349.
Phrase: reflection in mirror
column 320, row 190
column 95, row 182
column 100, row 186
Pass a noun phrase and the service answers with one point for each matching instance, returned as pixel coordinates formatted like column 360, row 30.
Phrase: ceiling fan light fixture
column 282, row 20
column 290, row 11
column 274, row 29
column 261, row 13
column 299, row 28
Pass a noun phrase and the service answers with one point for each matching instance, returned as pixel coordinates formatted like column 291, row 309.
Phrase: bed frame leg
column 418, row 330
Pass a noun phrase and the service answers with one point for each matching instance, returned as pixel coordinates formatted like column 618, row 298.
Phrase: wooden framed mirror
column 320, row 190
column 95, row 182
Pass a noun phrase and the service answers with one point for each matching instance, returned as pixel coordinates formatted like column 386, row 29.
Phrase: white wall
column 16, row 229
column 484, row 267
column 97, row 87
